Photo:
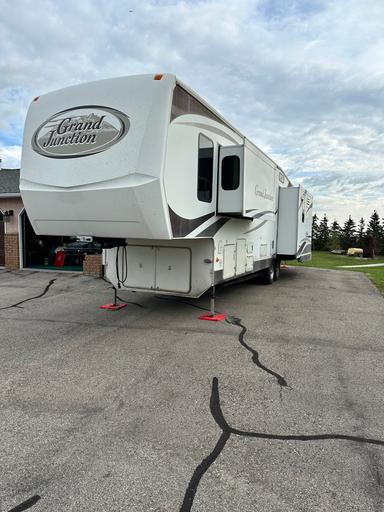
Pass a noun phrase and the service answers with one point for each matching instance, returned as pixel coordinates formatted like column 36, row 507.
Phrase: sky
column 302, row 79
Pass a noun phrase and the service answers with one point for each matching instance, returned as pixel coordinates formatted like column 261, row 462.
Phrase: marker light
column 158, row 77
column 35, row 99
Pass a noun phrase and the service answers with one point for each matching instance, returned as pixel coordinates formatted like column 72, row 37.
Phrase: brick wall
column 92, row 265
column 11, row 243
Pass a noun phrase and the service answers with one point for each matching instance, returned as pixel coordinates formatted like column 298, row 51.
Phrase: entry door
column 231, row 180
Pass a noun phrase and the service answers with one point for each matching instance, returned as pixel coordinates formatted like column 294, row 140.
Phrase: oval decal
column 80, row 131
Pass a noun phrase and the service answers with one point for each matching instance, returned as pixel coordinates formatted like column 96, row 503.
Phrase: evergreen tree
column 315, row 232
column 323, row 234
column 348, row 234
column 334, row 235
column 361, row 233
column 376, row 230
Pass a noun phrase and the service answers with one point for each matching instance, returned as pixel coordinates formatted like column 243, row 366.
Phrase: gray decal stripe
column 181, row 226
column 259, row 214
column 304, row 246
column 301, row 248
column 262, row 213
column 213, row 228
column 219, row 132
column 257, row 227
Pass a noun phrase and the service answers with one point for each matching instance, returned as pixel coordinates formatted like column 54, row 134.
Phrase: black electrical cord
column 124, row 267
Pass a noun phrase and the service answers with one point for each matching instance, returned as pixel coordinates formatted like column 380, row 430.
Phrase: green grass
column 323, row 259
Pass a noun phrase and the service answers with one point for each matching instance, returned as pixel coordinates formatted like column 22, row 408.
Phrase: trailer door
column 231, row 181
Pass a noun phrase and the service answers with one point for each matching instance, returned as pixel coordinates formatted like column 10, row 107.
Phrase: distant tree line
column 368, row 236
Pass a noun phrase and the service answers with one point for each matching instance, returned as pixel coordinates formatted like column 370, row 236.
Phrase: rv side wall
column 176, row 267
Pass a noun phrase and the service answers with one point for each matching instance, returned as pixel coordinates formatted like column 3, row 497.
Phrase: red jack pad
column 112, row 307
column 213, row 318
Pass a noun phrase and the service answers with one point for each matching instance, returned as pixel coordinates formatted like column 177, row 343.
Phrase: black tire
column 268, row 274
column 276, row 273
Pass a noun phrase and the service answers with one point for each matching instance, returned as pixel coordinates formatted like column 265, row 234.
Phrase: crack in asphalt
column 227, row 431
column 255, row 355
column 17, row 304
column 26, row 504
column 237, row 321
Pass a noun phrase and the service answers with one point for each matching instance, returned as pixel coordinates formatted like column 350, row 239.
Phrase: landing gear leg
column 212, row 301
column 115, row 306
column 212, row 315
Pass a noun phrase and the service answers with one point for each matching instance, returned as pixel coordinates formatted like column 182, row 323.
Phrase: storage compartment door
column 241, row 257
column 173, row 269
column 231, row 181
column 229, row 263
column 140, row 267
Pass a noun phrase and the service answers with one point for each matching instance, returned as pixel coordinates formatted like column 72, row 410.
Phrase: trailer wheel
column 276, row 273
column 268, row 274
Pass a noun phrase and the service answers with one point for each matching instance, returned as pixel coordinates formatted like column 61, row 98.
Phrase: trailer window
column 205, row 169
column 184, row 103
column 230, row 172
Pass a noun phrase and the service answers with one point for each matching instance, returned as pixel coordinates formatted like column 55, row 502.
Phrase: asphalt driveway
column 151, row 409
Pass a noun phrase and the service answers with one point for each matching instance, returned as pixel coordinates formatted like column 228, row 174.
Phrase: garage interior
column 47, row 252
column 2, row 241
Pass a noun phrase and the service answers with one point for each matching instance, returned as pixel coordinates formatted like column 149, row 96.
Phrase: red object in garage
column 59, row 259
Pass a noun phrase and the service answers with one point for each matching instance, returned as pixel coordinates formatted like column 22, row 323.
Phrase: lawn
column 323, row 259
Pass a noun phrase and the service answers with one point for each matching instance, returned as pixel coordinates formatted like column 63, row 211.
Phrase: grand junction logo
column 80, row 131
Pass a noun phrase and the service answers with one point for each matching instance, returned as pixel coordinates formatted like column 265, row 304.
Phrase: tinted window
column 185, row 103
column 205, row 169
column 230, row 172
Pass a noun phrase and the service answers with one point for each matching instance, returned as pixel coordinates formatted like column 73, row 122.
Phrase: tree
column 315, row 232
column 348, row 234
column 360, row 236
column 323, row 237
column 375, row 229
column 334, row 235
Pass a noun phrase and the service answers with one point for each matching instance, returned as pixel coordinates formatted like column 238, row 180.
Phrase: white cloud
column 10, row 156
column 303, row 79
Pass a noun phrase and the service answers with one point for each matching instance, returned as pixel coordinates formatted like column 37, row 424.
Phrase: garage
column 2, row 244
column 49, row 252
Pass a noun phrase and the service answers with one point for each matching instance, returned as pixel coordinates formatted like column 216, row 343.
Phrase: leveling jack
column 115, row 306
column 212, row 315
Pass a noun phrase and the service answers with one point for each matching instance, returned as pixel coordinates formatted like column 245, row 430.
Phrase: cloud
column 303, row 79
column 10, row 156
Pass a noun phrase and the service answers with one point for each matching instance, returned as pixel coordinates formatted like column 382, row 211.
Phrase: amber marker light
column 158, row 77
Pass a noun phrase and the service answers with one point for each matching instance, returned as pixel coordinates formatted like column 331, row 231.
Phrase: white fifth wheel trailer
column 179, row 198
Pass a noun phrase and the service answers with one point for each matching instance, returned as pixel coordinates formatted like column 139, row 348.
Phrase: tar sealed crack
column 255, row 355
column 31, row 298
column 26, row 504
column 227, row 431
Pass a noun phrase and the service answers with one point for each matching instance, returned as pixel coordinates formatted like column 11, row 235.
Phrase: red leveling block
column 213, row 318
column 112, row 307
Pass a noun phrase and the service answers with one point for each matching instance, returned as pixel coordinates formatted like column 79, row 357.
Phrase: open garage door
column 48, row 252
column 2, row 241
